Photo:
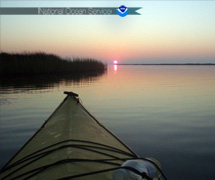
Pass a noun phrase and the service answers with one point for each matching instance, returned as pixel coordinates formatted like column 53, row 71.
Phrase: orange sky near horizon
column 165, row 32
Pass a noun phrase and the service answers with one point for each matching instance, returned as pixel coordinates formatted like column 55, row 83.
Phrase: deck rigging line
column 94, row 147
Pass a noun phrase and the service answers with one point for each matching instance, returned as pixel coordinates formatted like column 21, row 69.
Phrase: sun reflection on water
column 115, row 68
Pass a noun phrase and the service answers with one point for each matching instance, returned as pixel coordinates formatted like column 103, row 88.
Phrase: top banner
column 122, row 11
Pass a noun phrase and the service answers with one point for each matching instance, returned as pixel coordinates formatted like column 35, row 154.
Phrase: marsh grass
column 42, row 63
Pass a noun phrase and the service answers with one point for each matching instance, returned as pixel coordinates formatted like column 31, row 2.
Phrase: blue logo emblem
column 122, row 11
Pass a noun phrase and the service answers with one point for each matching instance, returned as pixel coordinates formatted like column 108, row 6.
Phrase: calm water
column 165, row 112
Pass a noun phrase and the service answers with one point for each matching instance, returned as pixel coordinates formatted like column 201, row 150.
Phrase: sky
column 165, row 32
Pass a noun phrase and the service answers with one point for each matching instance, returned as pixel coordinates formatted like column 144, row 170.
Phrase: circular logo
column 122, row 11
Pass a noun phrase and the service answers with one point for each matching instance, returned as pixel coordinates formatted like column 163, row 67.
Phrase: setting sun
column 115, row 62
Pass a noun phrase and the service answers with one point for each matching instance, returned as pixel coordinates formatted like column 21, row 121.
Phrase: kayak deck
column 71, row 144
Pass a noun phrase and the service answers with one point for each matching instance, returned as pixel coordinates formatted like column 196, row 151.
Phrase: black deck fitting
column 71, row 93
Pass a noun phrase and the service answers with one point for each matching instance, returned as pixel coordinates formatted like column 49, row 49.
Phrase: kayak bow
column 71, row 144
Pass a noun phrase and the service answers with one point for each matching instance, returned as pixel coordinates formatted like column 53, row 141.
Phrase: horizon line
column 168, row 64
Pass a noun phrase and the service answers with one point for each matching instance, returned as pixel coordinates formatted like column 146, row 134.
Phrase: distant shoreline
column 170, row 64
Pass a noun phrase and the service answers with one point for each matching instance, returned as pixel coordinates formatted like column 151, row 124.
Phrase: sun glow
column 115, row 62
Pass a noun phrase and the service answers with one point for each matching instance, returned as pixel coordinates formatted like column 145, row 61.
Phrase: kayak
column 71, row 144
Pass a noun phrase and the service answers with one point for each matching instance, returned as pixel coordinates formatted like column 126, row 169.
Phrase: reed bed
column 42, row 63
